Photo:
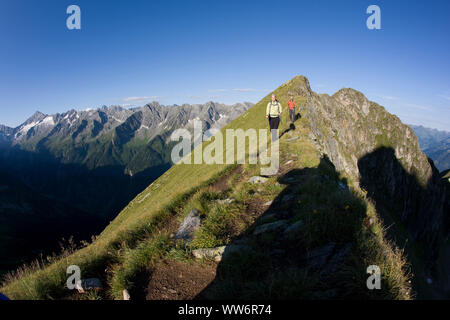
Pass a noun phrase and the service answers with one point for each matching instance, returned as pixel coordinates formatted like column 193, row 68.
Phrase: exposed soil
column 223, row 183
column 170, row 225
column 174, row 280
column 255, row 207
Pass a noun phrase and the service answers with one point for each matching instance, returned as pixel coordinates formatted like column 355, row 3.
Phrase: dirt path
column 224, row 182
column 174, row 280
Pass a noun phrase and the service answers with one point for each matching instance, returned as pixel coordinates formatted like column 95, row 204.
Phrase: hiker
column 273, row 112
column 291, row 105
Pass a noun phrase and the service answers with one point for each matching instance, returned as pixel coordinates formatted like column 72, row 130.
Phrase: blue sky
column 132, row 52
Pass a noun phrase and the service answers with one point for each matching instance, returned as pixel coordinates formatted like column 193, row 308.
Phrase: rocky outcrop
column 347, row 126
column 217, row 254
column 381, row 155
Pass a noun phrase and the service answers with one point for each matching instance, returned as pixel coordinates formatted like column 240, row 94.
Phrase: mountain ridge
column 330, row 127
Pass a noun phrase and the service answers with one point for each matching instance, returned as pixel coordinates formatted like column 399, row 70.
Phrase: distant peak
column 112, row 108
column 299, row 85
column 153, row 106
column 6, row 129
column 349, row 93
column 348, row 96
column 37, row 116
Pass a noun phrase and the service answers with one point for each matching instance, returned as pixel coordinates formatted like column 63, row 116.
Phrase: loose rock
column 257, row 179
column 225, row 201
column 126, row 295
column 217, row 253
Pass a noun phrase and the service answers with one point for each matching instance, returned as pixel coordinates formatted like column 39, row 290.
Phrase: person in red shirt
column 291, row 105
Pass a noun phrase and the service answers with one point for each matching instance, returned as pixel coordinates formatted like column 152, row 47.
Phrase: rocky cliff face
column 382, row 156
column 349, row 126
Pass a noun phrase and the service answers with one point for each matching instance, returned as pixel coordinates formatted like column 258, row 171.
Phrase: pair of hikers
column 273, row 111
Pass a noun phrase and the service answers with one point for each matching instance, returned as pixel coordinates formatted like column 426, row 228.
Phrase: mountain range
column 435, row 144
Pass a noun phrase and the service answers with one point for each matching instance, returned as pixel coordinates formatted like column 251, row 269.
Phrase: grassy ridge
column 133, row 239
column 329, row 215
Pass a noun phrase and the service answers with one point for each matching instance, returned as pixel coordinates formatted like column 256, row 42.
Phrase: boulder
column 126, row 295
column 291, row 232
column 224, row 201
column 190, row 224
column 210, row 253
column 217, row 253
column 257, row 179
column 268, row 227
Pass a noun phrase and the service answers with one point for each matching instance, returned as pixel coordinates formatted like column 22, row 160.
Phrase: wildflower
column 347, row 207
column 315, row 211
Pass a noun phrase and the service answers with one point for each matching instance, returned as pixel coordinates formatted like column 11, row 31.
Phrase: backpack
column 276, row 103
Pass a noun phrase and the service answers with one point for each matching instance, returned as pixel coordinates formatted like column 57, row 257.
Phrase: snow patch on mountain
column 48, row 121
